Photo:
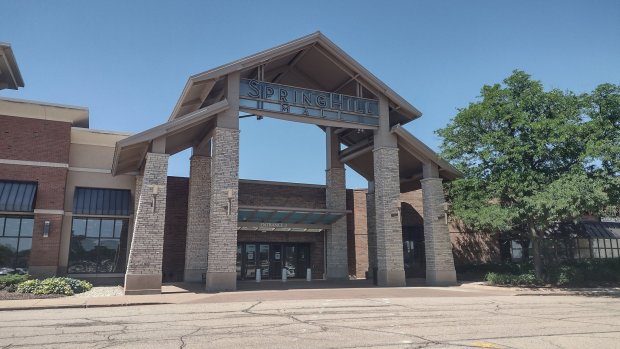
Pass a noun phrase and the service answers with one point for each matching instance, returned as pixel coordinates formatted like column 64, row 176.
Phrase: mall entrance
column 271, row 258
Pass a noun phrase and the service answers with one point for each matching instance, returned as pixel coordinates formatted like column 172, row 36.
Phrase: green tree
column 530, row 158
column 603, row 146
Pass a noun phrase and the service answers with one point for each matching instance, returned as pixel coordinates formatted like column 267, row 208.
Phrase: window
column 15, row 244
column 516, row 251
column 98, row 245
column 99, row 231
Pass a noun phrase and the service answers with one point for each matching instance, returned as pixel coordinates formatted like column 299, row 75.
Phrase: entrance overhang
column 267, row 218
column 313, row 62
column 10, row 77
column 171, row 137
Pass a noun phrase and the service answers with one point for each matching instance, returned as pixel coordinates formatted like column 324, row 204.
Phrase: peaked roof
column 179, row 135
column 199, row 86
column 10, row 77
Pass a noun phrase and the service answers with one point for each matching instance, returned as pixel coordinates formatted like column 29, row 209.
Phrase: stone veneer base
column 440, row 277
column 221, row 281
column 194, row 275
column 142, row 284
column 391, row 278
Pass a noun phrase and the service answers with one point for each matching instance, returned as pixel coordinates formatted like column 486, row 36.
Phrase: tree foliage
column 532, row 158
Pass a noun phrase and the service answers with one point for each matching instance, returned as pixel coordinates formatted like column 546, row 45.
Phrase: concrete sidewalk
column 185, row 293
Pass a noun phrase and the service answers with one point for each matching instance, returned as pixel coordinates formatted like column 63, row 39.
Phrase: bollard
column 258, row 275
column 284, row 274
column 308, row 274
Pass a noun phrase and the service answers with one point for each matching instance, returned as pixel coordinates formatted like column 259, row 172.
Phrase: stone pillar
column 336, row 198
column 390, row 265
column 143, row 274
column 438, row 248
column 371, row 227
column 223, row 209
column 224, row 195
column 197, row 242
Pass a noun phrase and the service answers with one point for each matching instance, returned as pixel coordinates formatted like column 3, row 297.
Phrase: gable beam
column 348, row 71
column 292, row 63
column 311, row 80
column 353, row 78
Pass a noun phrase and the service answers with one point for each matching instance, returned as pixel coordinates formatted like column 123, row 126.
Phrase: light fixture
column 229, row 207
column 155, row 192
column 46, row 229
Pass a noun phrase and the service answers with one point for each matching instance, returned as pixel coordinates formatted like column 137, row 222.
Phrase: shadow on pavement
column 278, row 285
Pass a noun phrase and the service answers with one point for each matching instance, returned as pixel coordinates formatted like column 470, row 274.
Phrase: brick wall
column 251, row 194
column 468, row 247
column 474, row 247
column 357, row 233
column 175, row 229
column 280, row 195
column 45, row 251
column 44, row 141
column 51, row 183
column 34, row 139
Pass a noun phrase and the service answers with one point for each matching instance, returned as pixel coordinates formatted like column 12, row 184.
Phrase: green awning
column 286, row 218
column 17, row 196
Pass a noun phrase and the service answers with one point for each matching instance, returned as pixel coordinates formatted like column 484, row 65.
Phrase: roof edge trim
column 427, row 152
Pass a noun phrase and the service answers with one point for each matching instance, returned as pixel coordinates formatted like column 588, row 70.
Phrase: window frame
column 126, row 221
column 19, row 237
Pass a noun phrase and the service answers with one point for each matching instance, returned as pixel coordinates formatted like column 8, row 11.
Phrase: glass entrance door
column 271, row 258
column 296, row 260
column 264, row 260
column 249, row 262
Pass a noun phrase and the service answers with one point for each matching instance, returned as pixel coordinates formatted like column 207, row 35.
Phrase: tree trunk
column 538, row 268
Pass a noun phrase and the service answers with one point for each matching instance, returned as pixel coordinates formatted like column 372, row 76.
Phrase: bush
column 10, row 282
column 508, row 279
column 589, row 272
column 54, row 286
column 479, row 271
column 60, row 285
column 28, row 286
column 78, row 286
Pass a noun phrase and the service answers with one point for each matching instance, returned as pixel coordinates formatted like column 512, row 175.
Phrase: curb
column 78, row 306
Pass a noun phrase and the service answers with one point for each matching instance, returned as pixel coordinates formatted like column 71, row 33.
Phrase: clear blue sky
column 127, row 61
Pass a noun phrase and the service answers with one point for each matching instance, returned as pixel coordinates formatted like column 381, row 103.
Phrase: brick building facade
column 105, row 207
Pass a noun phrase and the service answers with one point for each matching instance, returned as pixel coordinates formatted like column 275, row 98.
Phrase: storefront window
column 98, row 245
column 15, row 244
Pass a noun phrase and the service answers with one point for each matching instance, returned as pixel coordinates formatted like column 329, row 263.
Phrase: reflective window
column 15, row 244
column 516, row 251
column 98, row 245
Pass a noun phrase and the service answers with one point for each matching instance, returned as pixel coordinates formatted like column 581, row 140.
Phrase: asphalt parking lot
column 399, row 322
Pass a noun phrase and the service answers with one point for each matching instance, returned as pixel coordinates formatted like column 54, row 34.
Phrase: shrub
column 9, row 282
column 59, row 285
column 78, row 286
column 28, row 286
column 508, row 279
column 54, row 286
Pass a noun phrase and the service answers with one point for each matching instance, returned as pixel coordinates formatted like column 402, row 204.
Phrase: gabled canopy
column 10, row 77
column 176, row 136
column 312, row 61
column 412, row 155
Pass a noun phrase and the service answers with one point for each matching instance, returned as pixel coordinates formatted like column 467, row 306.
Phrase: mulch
column 14, row 295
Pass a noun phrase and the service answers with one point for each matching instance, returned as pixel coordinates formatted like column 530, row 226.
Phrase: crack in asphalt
column 182, row 338
column 373, row 318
